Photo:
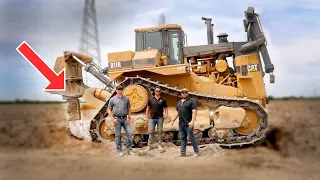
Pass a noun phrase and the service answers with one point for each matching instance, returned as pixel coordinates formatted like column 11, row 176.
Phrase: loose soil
column 34, row 144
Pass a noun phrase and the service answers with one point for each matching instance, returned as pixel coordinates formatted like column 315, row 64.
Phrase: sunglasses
column 120, row 89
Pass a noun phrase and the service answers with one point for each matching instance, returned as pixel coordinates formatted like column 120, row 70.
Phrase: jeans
column 186, row 131
column 152, row 125
column 127, row 128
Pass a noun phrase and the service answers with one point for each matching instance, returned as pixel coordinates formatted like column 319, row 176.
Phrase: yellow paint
column 190, row 80
column 145, row 54
column 228, row 117
column 251, row 125
column 120, row 56
column 138, row 97
column 221, row 65
column 251, row 85
column 147, row 58
column 186, row 76
column 162, row 70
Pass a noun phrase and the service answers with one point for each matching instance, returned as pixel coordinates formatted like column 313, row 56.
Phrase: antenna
column 162, row 19
column 89, row 43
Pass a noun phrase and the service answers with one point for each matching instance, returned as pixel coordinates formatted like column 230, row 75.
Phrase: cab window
column 153, row 40
column 173, row 47
column 139, row 42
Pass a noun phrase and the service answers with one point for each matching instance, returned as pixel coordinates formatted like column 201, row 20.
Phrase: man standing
column 120, row 113
column 187, row 110
column 158, row 106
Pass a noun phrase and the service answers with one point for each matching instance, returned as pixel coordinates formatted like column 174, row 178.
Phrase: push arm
column 257, row 40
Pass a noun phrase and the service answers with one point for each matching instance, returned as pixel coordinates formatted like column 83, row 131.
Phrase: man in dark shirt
column 159, row 112
column 187, row 110
column 120, row 112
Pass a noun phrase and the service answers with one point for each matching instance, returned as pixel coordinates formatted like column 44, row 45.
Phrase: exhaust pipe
column 209, row 29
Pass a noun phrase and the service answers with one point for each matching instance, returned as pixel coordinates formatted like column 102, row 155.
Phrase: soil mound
column 34, row 126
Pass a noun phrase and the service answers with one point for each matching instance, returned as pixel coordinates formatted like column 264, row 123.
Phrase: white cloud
column 294, row 69
column 301, row 51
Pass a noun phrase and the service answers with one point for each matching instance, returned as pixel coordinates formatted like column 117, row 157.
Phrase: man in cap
column 186, row 110
column 120, row 113
column 156, row 112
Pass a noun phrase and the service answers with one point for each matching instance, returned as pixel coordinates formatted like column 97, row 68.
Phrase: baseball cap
column 119, row 87
column 184, row 90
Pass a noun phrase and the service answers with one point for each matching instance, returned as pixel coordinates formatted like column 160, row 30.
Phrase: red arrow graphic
column 57, row 81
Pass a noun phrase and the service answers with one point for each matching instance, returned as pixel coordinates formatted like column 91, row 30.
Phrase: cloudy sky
column 50, row 27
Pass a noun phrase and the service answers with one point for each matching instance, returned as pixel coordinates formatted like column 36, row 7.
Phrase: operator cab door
column 173, row 46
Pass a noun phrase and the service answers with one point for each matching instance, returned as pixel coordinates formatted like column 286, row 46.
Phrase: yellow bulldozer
column 231, row 98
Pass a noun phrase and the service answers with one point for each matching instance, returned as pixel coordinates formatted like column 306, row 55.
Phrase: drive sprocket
column 138, row 96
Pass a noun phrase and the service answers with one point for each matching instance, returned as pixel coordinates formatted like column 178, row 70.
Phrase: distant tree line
column 270, row 97
column 26, row 101
column 294, row 98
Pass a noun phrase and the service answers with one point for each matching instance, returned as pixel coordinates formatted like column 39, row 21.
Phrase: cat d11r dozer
column 231, row 98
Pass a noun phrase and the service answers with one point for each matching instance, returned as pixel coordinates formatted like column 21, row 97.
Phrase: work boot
column 120, row 153
column 148, row 148
column 196, row 154
column 160, row 148
column 130, row 152
column 181, row 155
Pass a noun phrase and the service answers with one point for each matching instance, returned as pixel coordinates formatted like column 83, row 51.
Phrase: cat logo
column 252, row 67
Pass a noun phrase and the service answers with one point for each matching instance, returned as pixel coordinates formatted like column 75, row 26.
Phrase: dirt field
column 34, row 145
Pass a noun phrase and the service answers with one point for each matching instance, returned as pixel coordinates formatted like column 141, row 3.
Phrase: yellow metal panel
column 206, row 85
column 72, row 72
column 145, row 54
column 169, row 70
column 221, row 66
column 120, row 56
column 164, row 70
column 146, row 58
column 114, row 75
column 120, row 60
column 251, row 83
column 205, row 79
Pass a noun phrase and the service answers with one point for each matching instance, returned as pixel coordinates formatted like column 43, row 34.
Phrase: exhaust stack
column 223, row 38
column 209, row 29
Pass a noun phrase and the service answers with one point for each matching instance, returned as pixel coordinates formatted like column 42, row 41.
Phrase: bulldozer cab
column 169, row 39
